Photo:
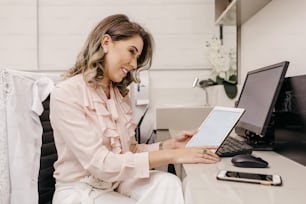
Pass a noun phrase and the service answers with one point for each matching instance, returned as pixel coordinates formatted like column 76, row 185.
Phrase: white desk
column 201, row 186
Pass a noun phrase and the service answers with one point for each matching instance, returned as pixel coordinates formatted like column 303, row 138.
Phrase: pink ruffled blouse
column 94, row 135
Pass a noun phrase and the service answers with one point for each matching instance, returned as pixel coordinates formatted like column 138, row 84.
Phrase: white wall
column 276, row 33
column 18, row 34
column 44, row 35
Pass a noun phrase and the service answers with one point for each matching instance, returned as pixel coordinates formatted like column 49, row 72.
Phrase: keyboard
column 232, row 146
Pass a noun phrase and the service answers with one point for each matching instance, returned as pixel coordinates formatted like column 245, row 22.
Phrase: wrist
column 170, row 155
column 161, row 146
column 168, row 144
column 162, row 157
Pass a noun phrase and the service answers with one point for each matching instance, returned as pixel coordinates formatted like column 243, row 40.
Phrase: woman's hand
column 193, row 155
column 180, row 140
column 188, row 155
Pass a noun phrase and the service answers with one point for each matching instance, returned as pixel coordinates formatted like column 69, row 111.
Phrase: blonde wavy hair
column 90, row 60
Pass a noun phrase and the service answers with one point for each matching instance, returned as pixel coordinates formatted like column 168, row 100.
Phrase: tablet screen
column 216, row 126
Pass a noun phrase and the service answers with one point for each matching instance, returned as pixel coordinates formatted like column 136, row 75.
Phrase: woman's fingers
column 209, row 147
column 210, row 155
column 196, row 155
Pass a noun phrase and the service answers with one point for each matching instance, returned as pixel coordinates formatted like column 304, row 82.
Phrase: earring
column 105, row 50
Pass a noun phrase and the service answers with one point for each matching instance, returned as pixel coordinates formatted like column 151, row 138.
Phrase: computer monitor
column 258, row 96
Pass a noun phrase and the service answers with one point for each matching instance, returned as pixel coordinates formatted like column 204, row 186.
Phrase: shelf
column 237, row 12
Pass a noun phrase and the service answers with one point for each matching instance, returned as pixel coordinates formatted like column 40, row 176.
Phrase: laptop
column 216, row 127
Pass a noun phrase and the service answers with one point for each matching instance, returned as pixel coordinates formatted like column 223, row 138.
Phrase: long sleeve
column 83, row 145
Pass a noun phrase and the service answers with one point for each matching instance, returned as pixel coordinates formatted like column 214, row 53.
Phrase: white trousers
column 159, row 188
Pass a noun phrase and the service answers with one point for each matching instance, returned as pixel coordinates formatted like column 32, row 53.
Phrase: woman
column 99, row 160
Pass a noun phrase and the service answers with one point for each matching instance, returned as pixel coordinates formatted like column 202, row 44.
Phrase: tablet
column 216, row 127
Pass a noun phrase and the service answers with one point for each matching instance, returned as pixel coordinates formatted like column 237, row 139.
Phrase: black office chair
column 46, row 181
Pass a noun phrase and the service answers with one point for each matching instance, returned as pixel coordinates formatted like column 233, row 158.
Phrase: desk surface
column 201, row 185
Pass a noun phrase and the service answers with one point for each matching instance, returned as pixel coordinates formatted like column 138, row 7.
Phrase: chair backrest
column 46, row 181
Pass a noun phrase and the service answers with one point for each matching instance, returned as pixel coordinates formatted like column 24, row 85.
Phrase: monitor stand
column 261, row 143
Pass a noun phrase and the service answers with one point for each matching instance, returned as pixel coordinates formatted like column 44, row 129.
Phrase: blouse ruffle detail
column 126, row 108
column 108, row 112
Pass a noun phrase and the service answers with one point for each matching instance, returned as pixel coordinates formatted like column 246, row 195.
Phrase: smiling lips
column 125, row 71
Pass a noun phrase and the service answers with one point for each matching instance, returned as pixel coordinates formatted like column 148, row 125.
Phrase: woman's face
column 121, row 56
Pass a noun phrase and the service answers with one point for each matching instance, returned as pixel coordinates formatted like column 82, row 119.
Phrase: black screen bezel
column 251, row 127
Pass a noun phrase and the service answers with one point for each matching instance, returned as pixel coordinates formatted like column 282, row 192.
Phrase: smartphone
column 265, row 179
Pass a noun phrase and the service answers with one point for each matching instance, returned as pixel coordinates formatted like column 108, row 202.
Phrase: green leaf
column 207, row 82
column 231, row 90
column 233, row 77
column 232, row 80
column 219, row 80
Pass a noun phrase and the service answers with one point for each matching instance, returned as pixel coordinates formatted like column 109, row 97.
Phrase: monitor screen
column 258, row 96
